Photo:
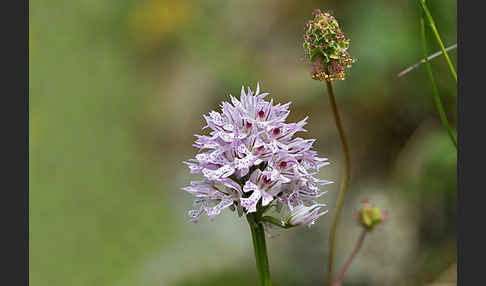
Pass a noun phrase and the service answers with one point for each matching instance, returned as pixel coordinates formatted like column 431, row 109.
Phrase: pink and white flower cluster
column 252, row 159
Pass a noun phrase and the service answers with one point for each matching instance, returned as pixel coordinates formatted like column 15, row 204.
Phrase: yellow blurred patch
column 154, row 20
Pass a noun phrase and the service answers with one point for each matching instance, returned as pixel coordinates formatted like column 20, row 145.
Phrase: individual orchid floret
column 251, row 160
column 326, row 47
column 303, row 215
column 371, row 217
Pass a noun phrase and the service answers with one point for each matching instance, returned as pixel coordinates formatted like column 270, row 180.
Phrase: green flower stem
column 357, row 247
column 437, row 37
column 344, row 183
column 260, row 248
column 276, row 221
column 438, row 103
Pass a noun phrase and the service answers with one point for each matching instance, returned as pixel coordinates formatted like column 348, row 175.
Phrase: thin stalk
column 276, row 221
column 357, row 247
column 260, row 248
column 437, row 37
column 437, row 101
column 344, row 183
column 422, row 61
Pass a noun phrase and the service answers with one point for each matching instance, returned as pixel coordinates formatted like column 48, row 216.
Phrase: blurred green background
column 118, row 88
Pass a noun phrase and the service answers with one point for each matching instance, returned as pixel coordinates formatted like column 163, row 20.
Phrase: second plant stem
column 344, row 183
column 359, row 243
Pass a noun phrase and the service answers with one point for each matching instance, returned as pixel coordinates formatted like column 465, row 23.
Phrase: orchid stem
column 344, row 183
column 260, row 248
column 359, row 243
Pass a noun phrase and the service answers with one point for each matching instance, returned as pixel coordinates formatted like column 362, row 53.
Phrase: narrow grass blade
column 437, row 101
column 437, row 37
column 422, row 61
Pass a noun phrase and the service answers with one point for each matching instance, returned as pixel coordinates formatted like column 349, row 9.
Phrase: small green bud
column 371, row 216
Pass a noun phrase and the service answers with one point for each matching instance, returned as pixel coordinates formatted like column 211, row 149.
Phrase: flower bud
column 304, row 215
column 326, row 47
column 371, row 216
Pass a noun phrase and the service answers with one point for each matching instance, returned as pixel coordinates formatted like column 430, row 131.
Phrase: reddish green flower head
column 371, row 216
column 326, row 47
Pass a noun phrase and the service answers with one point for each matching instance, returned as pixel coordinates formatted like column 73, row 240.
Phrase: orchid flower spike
column 252, row 160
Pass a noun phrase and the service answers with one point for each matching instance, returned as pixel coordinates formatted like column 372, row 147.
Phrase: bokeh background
column 118, row 88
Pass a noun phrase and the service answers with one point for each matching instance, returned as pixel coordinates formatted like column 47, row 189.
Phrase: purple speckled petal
column 251, row 202
column 216, row 210
column 250, row 186
column 222, row 172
